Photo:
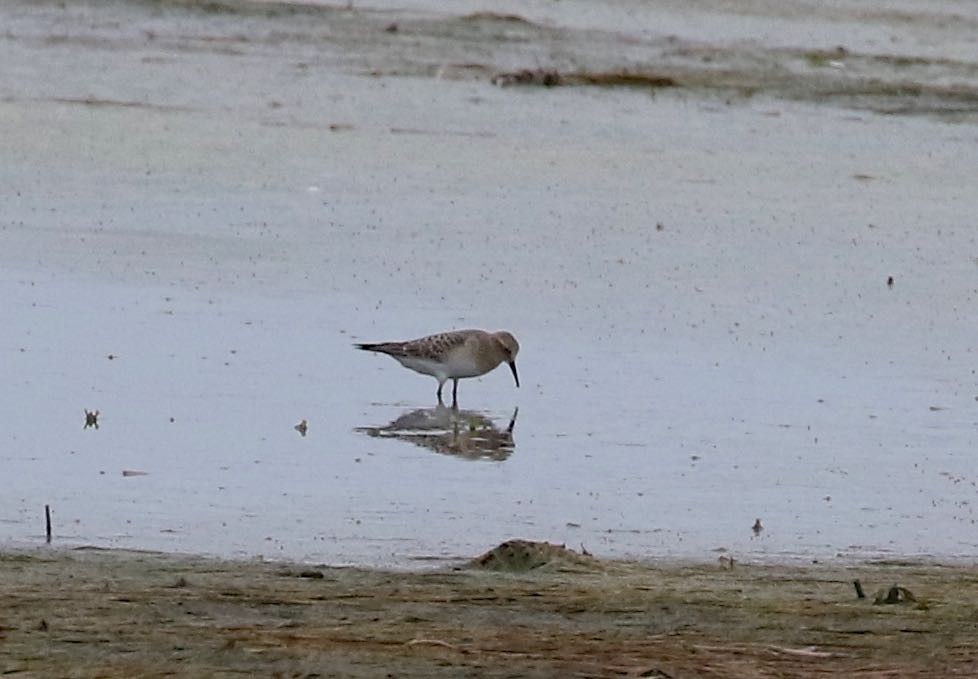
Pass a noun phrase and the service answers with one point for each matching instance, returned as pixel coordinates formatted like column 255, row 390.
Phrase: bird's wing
column 431, row 347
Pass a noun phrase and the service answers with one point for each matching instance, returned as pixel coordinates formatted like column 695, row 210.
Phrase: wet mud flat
column 516, row 611
column 917, row 60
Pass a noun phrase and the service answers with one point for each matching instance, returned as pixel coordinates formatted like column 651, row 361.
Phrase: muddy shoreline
column 89, row 612
column 884, row 62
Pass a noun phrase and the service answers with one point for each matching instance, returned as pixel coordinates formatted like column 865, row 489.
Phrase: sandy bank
column 120, row 614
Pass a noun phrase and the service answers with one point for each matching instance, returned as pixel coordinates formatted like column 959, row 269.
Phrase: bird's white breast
column 455, row 363
column 425, row 366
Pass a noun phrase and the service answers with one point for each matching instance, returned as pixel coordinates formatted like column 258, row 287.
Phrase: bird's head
column 509, row 348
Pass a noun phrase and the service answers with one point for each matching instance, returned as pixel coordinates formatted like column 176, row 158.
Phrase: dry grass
column 120, row 614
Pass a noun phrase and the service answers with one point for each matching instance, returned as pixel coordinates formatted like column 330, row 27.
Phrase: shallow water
column 628, row 454
column 699, row 288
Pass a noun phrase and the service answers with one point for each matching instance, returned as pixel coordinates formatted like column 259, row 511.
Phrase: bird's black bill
column 512, row 366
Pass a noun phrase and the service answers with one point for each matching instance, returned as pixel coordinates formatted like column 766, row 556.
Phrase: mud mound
column 526, row 555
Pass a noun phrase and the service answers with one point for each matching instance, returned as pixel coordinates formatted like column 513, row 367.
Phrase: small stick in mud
column 47, row 522
column 860, row 594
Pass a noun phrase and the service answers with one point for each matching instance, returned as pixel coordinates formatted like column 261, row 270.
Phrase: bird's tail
column 371, row 346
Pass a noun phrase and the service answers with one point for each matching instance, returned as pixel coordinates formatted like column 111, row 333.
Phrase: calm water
column 699, row 289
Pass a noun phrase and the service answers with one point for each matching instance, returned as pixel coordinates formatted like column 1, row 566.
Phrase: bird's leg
column 440, row 385
column 455, row 392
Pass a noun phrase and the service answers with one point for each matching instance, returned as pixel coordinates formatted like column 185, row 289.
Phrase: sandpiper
column 453, row 355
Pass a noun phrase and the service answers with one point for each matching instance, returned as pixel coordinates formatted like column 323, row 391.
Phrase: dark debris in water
column 549, row 77
column 497, row 17
column 537, row 77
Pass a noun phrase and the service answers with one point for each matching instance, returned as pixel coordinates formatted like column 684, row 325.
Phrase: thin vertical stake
column 47, row 521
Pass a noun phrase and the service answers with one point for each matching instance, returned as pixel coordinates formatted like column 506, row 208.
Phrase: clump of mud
column 525, row 555
column 894, row 595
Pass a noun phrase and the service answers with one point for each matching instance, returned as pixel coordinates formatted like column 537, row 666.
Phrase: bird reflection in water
column 467, row 434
